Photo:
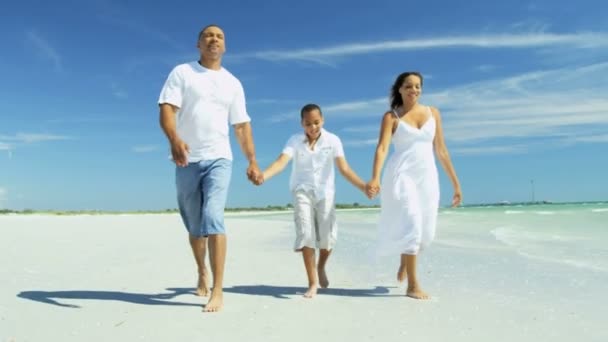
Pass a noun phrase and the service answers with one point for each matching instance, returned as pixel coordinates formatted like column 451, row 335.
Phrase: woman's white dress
column 409, row 191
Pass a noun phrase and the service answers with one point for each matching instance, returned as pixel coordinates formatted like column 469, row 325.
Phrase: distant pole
column 532, row 188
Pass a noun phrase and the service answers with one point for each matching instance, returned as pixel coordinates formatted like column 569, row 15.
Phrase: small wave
column 511, row 212
column 599, row 210
column 545, row 212
column 514, row 237
column 567, row 262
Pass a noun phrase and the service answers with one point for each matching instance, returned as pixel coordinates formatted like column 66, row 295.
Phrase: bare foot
column 401, row 274
column 202, row 289
column 323, row 281
column 416, row 292
column 216, row 302
column 311, row 292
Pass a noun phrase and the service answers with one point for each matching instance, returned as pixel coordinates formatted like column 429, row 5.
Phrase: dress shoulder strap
column 394, row 111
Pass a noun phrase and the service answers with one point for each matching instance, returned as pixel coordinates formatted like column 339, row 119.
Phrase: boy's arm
column 349, row 174
column 276, row 166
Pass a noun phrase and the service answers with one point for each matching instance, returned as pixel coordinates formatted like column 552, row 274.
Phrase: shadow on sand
column 282, row 292
column 285, row 291
column 52, row 297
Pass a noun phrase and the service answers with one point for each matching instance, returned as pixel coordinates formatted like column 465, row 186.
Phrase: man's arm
column 244, row 136
column 179, row 149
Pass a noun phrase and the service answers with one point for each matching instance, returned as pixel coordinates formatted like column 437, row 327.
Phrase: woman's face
column 411, row 89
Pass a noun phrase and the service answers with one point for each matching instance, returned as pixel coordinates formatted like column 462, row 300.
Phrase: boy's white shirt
column 313, row 170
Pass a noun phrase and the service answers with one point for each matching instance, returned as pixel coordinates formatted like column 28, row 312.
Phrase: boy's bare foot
column 401, row 274
column 202, row 289
column 311, row 292
column 323, row 281
column 416, row 293
column 216, row 302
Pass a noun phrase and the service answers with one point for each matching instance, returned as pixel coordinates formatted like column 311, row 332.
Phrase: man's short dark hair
column 200, row 34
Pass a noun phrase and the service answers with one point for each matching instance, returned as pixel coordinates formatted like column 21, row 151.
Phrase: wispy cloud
column 355, row 108
column 325, row 55
column 44, row 48
column 10, row 142
column 562, row 106
column 118, row 91
column 482, row 150
column 359, row 143
column 36, row 137
column 486, row 67
column 115, row 14
column 145, row 148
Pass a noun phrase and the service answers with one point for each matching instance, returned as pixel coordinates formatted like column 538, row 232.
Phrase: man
column 206, row 98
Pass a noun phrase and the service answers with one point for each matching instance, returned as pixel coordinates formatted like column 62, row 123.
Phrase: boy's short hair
column 309, row 108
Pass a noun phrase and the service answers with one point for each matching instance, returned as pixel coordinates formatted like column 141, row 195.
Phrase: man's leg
column 199, row 250
column 217, row 256
column 216, row 180
column 189, row 199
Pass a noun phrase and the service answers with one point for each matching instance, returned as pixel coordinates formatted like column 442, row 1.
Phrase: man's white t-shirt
column 314, row 169
column 208, row 101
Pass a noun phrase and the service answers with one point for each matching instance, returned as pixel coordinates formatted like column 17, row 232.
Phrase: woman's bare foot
column 323, row 281
column 202, row 289
column 311, row 292
column 402, row 274
column 416, row 292
column 216, row 302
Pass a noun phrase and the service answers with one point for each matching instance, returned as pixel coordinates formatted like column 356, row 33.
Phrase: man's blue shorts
column 202, row 189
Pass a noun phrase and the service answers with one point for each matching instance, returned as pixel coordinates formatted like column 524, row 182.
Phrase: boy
column 313, row 190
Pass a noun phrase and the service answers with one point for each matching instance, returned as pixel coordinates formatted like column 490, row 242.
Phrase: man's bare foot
column 323, row 281
column 311, row 292
column 216, row 302
column 202, row 289
column 401, row 274
column 417, row 293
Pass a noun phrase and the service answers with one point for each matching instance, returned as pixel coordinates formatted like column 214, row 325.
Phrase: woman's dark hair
column 396, row 100
column 309, row 108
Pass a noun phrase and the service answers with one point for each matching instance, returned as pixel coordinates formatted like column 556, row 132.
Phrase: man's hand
column 254, row 174
column 179, row 151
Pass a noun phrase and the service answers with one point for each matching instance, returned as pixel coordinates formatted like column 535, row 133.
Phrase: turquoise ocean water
column 572, row 236
column 537, row 271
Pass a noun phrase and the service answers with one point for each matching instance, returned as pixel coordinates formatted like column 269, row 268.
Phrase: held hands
column 179, row 152
column 372, row 188
column 254, row 174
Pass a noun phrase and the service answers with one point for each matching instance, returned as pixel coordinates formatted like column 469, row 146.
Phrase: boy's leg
column 413, row 288
column 323, row 256
column 216, row 180
column 308, row 255
column 305, row 225
column 327, row 235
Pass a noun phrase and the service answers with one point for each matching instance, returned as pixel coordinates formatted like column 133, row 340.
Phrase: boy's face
column 312, row 122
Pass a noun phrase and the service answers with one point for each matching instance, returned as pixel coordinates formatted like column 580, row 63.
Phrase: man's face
column 211, row 43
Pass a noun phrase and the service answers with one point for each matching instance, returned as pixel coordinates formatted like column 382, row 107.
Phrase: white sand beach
column 131, row 278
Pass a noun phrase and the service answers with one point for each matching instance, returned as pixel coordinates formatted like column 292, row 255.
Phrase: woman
column 410, row 186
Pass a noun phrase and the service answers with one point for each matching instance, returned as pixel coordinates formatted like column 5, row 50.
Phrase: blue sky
column 521, row 86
